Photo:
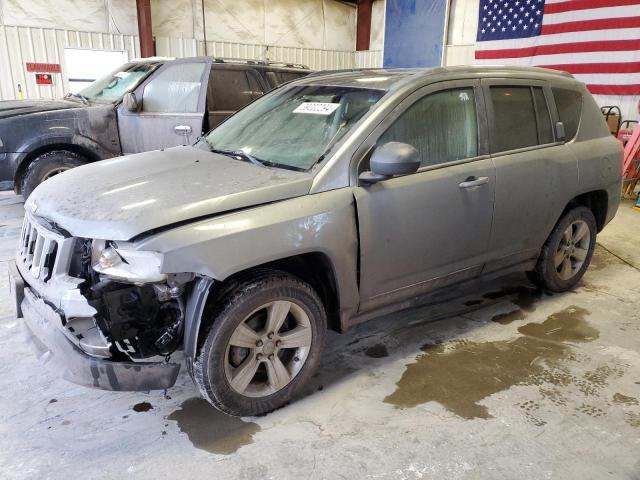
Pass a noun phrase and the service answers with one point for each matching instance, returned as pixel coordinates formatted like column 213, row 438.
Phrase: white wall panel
column 368, row 59
column 459, row 55
column 316, row 59
column 116, row 16
column 463, row 22
column 376, row 38
column 319, row 24
column 19, row 45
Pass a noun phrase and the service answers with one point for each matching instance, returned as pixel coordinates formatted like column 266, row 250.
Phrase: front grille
column 38, row 249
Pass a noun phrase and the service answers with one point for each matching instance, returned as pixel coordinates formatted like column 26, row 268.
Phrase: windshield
column 113, row 86
column 295, row 126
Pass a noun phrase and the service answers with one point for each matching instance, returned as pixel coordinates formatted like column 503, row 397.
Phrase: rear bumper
column 42, row 326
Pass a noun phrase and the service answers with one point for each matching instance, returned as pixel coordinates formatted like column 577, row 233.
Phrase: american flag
column 596, row 40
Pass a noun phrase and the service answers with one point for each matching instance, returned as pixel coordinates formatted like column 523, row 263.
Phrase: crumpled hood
column 120, row 198
column 12, row 108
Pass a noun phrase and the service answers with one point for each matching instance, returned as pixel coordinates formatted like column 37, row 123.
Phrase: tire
column 230, row 349
column 567, row 252
column 46, row 166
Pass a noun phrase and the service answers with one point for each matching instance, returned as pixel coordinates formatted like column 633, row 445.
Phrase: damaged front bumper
column 43, row 327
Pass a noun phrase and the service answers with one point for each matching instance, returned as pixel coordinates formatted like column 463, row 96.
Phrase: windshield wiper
column 239, row 154
column 84, row 99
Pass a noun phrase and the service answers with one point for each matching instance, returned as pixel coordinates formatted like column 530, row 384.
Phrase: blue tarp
column 414, row 32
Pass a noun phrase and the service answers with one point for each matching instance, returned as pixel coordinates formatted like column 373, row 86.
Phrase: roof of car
column 389, row 78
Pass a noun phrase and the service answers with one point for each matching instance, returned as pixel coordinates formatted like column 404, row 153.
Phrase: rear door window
column 569, row 105
column 514, row 118
column 229, row 89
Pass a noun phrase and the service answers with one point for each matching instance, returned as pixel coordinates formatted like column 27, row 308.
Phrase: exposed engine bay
column 139, row 320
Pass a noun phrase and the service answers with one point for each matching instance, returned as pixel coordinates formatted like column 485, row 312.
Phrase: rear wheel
column 48, row 165
column 567, row 252
column 263, row 345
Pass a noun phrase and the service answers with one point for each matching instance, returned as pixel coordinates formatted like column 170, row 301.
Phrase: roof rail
column 259, row 62
column 287, row 64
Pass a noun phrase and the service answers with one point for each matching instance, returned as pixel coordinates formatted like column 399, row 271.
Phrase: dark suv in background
column 144, row 105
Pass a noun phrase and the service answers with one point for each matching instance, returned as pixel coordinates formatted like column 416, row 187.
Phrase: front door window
column 176, row 89
column 441, row 126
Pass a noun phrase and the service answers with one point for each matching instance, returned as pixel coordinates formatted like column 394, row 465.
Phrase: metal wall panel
column 459, row 55
column 19, row 45
column 368, row 59
column 315, row 59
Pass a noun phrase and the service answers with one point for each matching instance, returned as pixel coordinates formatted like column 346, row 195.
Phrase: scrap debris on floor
column 506, row 381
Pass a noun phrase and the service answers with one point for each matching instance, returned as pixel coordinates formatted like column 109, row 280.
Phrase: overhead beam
column 147, row 47
column 363, row 25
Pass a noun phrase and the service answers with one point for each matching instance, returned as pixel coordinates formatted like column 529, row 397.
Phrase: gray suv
column 330, row 200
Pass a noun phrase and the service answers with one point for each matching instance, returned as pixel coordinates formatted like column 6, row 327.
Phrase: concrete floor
column 506, row 382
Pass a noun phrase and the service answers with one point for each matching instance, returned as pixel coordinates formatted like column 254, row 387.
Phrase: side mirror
column 131, row 102
column 560, row 135
column 390, row 159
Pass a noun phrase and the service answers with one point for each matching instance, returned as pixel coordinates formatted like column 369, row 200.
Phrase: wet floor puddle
column 142, row 407
column 211, row 430
column 624, row 399
column 602, row 259
column 377, row 351
column 525, row 299
column 462, row 373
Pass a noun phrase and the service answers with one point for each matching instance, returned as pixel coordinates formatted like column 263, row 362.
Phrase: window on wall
column 514, row 118
column 175, row 89
column 569, row 105
column 442, row 126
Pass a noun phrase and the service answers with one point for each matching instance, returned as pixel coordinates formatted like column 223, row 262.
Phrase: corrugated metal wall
column 313, row 58
column 368, row 59
column 19, row 45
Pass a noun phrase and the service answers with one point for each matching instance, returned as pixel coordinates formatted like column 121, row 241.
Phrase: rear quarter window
column 569, row 105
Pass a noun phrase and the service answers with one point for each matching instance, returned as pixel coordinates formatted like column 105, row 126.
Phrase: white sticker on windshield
column 121, row 74
column 317, row 108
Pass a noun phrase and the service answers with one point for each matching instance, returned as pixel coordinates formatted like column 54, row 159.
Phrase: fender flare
column 196, row 301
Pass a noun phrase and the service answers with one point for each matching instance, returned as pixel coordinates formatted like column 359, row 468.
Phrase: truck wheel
column 46, row 166
column 567, row 252
column 263, row 345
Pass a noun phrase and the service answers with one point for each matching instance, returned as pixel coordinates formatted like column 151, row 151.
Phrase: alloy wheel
column 572, row 249
column 268, row 349
column 53, row 173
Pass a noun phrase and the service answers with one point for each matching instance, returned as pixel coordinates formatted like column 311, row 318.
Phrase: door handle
column 182, row 130
column 474, row 182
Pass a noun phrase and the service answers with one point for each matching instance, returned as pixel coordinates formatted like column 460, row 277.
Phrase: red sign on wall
column 44, row 79
column 43, row 67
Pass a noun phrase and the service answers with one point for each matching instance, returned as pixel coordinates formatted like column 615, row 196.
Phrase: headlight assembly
column 134, row 266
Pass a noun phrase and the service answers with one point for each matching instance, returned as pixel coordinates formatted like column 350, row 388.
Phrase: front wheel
column 264, row 344
column 48, row 165
column 567, row 252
